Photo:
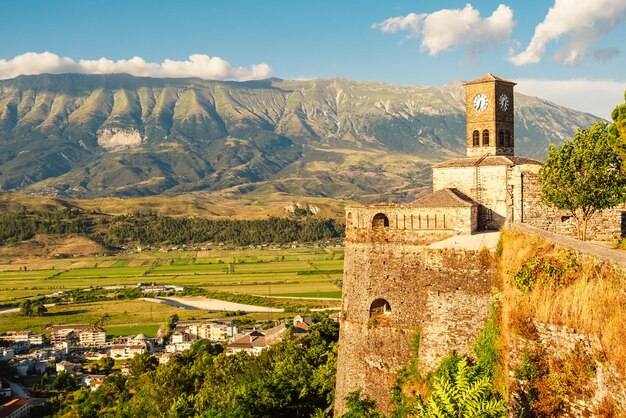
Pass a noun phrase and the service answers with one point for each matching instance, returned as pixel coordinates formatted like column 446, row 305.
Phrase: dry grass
column 586, row 296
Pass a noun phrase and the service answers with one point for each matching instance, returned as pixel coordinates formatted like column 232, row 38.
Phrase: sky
column 567, row 51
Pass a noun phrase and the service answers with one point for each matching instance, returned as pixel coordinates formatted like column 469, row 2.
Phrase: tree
column 172, row 320
column 583, row 176
column 617, row 130
column 63, row 381
column 360, row 407
column 33, row 308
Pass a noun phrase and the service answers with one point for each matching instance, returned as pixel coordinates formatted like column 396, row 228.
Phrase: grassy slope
column 584, row 295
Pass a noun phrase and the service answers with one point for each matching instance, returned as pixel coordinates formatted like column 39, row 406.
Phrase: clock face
column 503, row 102
column 481, row 102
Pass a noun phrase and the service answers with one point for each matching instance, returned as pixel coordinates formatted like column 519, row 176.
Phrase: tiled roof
column 488, row 78
column 492, row 160
column 444, row 198
column 10, row 407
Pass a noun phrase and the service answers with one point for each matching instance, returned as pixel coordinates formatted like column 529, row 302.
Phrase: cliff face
column 102, row 135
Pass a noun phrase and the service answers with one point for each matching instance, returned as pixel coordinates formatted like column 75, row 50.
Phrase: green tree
column 26, row 308
column 360, row 407
column 39, row 308
column 33, row 308
column 583, row 176
column 617, row 130
column 172, row 320
column 63, row 381
column 106, row 364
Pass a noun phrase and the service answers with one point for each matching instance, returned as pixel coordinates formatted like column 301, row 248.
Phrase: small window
column 476, row 139
column 380, row 307
column 565, row 218
column 485, row 138
column 501, row 142
column 380, row 221
column 349, row 219
column 509, row 140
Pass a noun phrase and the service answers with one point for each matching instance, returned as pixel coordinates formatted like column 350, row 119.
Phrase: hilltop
column 91, row 136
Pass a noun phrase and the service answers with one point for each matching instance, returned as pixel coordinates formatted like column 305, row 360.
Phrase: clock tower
column 489, row 113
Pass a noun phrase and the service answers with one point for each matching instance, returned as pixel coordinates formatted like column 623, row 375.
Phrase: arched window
column 501, row 142
column 485, row 138
column 509, row 140
column 380, row 221
column 476, row 139
column 380, row 307
column 349, row 219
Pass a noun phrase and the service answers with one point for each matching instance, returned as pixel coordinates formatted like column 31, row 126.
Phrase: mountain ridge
column 88, row 136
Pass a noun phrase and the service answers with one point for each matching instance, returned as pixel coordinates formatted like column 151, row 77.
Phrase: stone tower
column 404, row 273
column 489, row 112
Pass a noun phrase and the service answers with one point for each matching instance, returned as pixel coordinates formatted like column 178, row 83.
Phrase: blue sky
column 401, row 42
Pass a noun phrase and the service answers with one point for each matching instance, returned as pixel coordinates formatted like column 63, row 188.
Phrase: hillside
column 92, row 136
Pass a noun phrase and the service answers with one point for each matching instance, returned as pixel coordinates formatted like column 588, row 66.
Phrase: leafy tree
column 617, row 130
column 583, row 176
column 142, row 363
column 360, row 407
column 106, row 364
column 33, row 308
column 172, row 320
column 63, row 381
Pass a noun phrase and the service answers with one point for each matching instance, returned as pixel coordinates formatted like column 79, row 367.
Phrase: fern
column 465, row 394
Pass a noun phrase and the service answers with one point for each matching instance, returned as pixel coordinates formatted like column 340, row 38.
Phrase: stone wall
column 559, row 342
column 446, row 294
column 458, row 220
column 486, row 185
column 606, row 225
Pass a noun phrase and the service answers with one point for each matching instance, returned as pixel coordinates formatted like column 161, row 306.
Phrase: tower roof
column 490, row 160
column 488, row 78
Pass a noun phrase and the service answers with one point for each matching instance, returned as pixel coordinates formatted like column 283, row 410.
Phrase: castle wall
column 491, row 193
column 444, row 293
column 440, row 220
column 606, row 225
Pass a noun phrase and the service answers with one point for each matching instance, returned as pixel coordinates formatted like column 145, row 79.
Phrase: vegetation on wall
column 544, row 283
column 583, row 176
column 461, row 386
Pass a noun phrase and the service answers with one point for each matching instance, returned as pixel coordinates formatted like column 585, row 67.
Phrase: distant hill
column 92, row 136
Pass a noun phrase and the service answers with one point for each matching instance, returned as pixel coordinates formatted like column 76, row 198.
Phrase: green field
column 291, row 273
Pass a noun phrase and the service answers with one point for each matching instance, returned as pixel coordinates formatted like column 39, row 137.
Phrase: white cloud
column 447, row 28
column 598, row 97
column 198, row 65
column 583, row 22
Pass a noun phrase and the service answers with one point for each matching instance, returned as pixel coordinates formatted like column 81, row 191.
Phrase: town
column 82, row 353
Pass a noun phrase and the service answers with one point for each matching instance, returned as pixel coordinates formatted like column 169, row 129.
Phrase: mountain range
column 90, row 136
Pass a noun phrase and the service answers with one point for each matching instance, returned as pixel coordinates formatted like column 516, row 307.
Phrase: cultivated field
column 286, row 274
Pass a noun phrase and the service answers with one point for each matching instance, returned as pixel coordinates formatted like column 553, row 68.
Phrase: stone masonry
column 443, row 293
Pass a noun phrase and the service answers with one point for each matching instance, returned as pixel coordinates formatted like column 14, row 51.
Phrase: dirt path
column 211, row 305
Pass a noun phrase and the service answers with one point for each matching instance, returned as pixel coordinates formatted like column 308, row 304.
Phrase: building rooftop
column 444, row 198
column 487, row 78
column 93, row 329
column 10, row 407
column 492, row 160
